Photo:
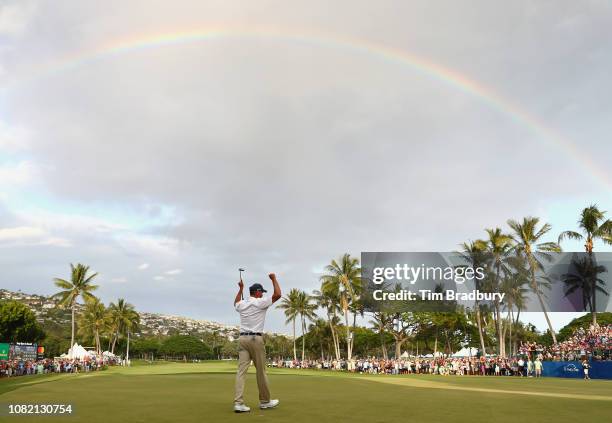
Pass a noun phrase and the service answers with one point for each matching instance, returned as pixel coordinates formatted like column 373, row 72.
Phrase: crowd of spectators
column 19, row 367
column 490, row 366
column 594, row 343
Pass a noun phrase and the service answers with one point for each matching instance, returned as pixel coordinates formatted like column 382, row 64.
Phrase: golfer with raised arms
column 251, row 344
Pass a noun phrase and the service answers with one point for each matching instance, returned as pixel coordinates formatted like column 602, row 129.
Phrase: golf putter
column 240, row 270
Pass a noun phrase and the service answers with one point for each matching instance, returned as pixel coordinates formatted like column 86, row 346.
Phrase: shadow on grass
column 14, row 383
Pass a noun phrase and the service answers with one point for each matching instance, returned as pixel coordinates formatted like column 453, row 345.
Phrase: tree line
column 513, row 259
column 96, row 321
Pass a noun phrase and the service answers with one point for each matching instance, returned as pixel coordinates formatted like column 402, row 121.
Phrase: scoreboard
column 23, row 351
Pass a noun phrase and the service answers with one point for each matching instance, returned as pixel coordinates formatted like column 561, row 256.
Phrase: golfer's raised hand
column 241, row 284
column 272, row 276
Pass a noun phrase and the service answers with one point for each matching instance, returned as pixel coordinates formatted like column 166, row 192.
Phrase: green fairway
column 203, row 393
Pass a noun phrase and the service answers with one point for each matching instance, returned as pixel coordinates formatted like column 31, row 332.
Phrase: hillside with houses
column 48, row 312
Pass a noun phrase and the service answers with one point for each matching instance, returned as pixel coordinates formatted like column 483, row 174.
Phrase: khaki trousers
column 251, row 347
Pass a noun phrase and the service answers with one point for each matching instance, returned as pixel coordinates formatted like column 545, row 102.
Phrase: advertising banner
column 23, row 351
column 568, row 369
column 573, row 369
column 4, row 351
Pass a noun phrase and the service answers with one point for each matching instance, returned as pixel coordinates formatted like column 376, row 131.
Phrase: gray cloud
column 280, row 153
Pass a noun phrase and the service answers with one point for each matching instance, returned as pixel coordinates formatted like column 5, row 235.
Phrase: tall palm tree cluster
column 339, row 296
column 96, row 320
column 514, row 264
column 593, row 226
column 513, row 260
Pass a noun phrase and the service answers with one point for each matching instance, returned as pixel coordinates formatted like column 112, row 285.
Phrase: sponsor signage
column 4, row 351
column 23, row 351
column 571, row 368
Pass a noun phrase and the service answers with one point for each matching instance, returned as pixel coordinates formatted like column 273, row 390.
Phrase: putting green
column 203, row 392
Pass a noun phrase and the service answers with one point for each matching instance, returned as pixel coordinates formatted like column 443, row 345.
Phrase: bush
column 145, row 347
column 185, row 346
column 55, row 346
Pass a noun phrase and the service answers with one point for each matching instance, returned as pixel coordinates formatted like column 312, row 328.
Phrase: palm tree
column 328, row 300
column 319, row 331
column 123, row 319
column 119, row 313
column 499, row 246
column 527, row 237
column 584, row 279
column 594, row 226
column 306, row 309
column 79, row 286
column 130, row 323
column 290, row 303
column 344, row 278
column 93, row 321
column 357, row 308
column 474, row 254
column 380, row 323
column 513, row 286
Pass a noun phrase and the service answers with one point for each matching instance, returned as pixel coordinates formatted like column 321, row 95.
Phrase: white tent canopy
column 466, row 352
column 77, row 351
column 438, row 355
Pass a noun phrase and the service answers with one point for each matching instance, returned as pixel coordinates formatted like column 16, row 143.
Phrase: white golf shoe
column 241, row 408
column 270, row 404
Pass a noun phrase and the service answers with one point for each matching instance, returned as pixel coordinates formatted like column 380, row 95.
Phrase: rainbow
column 391, row 54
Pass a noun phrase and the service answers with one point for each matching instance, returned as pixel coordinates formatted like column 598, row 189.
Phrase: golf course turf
column 202, row 392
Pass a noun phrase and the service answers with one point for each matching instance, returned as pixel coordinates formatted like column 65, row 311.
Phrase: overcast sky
column 293, row 133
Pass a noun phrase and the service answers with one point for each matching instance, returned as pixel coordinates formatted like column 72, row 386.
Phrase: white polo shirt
column 253, row 313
